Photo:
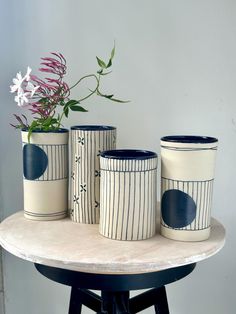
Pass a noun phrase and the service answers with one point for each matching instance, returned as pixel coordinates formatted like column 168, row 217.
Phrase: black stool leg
column 75, row 302
column 161, row 306
column 115, row 302
column 85, row 297
column 154, row 297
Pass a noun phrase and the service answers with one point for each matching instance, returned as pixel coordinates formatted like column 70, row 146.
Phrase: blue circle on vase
column 35, row 161
column 178, row 209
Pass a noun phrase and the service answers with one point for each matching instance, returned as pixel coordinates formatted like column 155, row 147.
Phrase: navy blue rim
column 93, row 127
column 189, row 139
column 128, row 154
column 49, row 131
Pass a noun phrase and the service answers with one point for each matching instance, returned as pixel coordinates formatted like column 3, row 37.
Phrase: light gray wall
column 176, row 61
column 2, row 303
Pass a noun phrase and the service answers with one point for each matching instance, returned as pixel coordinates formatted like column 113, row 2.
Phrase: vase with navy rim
column 45, row 168
column 187, row 177
column 128, row 194
column 87, row 143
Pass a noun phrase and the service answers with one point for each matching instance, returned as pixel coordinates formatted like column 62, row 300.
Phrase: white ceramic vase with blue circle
column 128, row 194
column 187, row 177
column 45, row 168
column 87, row 143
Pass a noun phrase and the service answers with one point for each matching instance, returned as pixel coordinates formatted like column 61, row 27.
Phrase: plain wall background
column 176, row 62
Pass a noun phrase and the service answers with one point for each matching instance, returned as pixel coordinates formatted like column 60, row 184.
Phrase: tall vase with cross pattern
column 87, row 142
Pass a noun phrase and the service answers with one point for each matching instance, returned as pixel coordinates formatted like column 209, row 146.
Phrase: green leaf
column 101, row 63
column 72, row 102
column 119, row 100
column 43, row 101
column 106, row 73
column 109, row 64
column 68, row 105
column 66, row 111
column 47, row 122
column 73, row 105
column 113, row 52
column 54, row 121
column 32, row 127
column 108, row 96
column 78, row 108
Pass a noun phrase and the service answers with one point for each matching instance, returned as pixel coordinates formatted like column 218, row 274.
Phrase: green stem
column 59, row 121
column 94, row 91
column 84, row 77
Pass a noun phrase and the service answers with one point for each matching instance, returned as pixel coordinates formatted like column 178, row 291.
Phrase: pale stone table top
column 69, row 245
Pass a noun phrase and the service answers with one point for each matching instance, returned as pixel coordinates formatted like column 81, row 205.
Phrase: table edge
column 116, row 268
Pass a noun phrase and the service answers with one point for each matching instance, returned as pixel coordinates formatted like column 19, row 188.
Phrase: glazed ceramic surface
column 128, row 194
column 187, row 175
column 45, row 167
column 87, row 142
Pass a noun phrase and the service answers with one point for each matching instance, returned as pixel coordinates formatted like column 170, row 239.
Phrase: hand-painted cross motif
column 81, row 140
column 83, row 188
column 99, row 153
column 77, row 159
column 97, row 204
column 97, row 173
column 76, row 199
column 72, row 175
column 72, row 212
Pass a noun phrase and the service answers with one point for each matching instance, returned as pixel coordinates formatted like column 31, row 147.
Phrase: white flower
column 24, row 93
column 19, row 80
column 21, row 98
column 31, row 88
column 27, row 75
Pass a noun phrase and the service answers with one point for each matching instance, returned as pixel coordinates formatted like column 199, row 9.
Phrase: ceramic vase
column 128, row 194
column 87, row 142
column 187, row 176
column 45, row 168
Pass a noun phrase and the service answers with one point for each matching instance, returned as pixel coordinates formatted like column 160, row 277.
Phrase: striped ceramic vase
column 87, row 142
column 187, row 175
column 45, row 167
column 128, row 194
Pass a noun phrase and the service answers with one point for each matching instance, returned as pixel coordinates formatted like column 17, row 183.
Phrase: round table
column 77, row 255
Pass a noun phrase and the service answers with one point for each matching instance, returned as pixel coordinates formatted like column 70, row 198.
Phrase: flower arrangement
column 48, row 99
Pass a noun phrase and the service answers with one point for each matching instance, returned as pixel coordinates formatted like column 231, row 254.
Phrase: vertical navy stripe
column 143, row 205
column 148, row 208
column 123, row 209
column 134, row 208
column 139, row 212
column 118, row 207
column 92, row 197
column 128, row 209
column 113, row 205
